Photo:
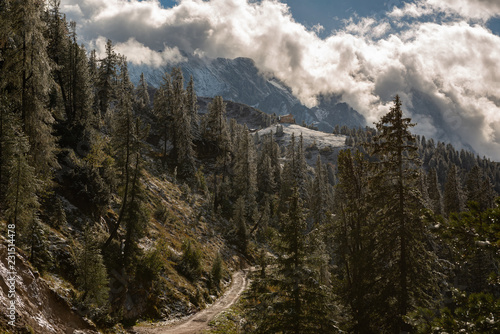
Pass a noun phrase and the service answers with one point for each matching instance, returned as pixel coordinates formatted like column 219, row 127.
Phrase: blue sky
column 331, row 13
column 328, row 13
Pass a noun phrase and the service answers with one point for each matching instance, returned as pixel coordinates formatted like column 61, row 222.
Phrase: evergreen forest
column 134, row 205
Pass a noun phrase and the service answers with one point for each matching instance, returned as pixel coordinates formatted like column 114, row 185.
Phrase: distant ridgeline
column 137, row 203
column 477, row 177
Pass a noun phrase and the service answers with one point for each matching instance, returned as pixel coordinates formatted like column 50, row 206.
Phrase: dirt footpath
column 199, row 321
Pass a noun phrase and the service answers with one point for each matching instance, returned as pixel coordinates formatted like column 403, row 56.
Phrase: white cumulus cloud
column 471, row 9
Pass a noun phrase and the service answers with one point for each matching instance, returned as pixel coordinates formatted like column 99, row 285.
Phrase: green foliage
column 356, row 273
column 26, row 78
column 88, row 185
column 453, row 201
column 136, row 219
column 469, row 313
column 473, row 239
column 189, row 264
column 58, row 218
column 37, row 245
column 106, row 79
column 240, row 226
column 142, row 101
column 406, row 276
column 216, row 273
column 434, row 191
column 292, row 299
column 228, row 322
column 92, row 278
column 215, row 127
column 21, row 200
column 152, row 262
column 201, row 182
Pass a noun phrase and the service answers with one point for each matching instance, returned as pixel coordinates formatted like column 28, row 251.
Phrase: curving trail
column 199, row 321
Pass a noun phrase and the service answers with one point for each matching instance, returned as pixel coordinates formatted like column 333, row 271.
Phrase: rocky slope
column 315, row 142
column 240, row 81
column 38, row 307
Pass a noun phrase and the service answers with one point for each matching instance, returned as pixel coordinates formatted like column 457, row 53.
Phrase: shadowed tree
column 407, row 280
column 291, row 298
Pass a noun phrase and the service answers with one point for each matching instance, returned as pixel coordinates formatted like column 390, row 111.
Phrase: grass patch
column 230, row 321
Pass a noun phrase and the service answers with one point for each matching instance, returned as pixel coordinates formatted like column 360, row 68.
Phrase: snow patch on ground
column 322, row 139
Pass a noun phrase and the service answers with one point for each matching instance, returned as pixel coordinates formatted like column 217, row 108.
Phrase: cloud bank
column 436, row 48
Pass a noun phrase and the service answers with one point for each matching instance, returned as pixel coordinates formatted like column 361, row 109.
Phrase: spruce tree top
column 394, row 136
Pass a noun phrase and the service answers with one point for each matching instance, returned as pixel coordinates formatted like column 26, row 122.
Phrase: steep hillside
column 42, row 303
column 253, row 118
column 179, row 215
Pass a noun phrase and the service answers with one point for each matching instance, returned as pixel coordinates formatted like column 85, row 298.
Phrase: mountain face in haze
column 239, row 80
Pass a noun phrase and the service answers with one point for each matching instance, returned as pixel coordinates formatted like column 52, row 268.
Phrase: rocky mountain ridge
column 239, row 80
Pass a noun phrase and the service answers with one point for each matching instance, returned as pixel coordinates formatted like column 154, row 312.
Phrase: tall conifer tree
column 182, row 137
column 453, row 201
column 106, row 78
column 163, row 110
column 354, row 243
column 142, row 102
column 434, row 192
column 401, row 233
column 293, row 299
column 26, row 73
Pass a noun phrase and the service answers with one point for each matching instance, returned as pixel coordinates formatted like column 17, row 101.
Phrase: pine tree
column 265, row 176
column 92, row 277
column 452, row 192
column 268, row 168
column 94, row 74
column 487, row 194
column 142, row 101
column 106, row 78
column 245, row 167
column 127, row 140
column 163, row 110
column 26, row 75
column 37, row 244
column 81, row 86
column 434, row 192
column 354, row 243
column 245, row 173
column 59, row 51
column 73, row 79
column 21, row 200
column 473, row 184
column 218, row 138
column 217, row 271
column 319, row 194
column 136, row 215
column 294, row 171
column 182, row 137
column 478, row 188
column 401, row 233
column 177, row 99
column 288, row 181
column 192, row 107
column 301, row 167
column 215, row 129
column 293, row 300
column 240, row 225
